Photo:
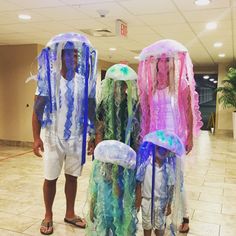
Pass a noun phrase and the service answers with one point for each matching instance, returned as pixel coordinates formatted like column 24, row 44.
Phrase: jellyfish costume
column 147, row 157
column 67, row 112
column 167, row 90
column 112, row 191
column 117, row 113
column 168, row 100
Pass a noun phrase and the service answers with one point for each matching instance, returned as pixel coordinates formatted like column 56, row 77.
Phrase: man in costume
column 65, row 93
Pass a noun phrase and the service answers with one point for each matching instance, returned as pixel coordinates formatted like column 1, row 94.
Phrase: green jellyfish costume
column 118, row 109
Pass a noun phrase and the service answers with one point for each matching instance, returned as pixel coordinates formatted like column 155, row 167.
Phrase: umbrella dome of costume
column 112, row 190
column 118, row 105
column 166, row 86
column 80, row 62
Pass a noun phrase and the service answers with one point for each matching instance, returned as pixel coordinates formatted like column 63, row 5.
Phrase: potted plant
column 228, row 94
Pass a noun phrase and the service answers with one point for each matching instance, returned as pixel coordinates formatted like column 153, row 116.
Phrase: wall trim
column 227, row 132
column 16, row 143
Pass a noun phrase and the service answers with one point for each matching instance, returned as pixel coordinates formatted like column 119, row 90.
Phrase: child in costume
column 169, row 102
column 112, row 191
column 156, row 178
column 117, row 112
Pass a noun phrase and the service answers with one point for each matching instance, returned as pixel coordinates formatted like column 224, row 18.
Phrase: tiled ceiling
column 148, row 21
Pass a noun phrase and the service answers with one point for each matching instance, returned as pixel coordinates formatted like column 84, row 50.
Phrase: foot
column 184, row 227
column 76, row 221
column 46, row 227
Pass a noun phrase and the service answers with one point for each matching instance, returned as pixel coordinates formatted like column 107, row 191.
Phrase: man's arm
column 36, row 126
column 189, row 118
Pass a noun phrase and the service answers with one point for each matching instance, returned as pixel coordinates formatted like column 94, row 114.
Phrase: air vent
column 98, row 32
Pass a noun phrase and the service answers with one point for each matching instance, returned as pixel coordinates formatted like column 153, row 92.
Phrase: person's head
column 69, row 57
column 161, row 152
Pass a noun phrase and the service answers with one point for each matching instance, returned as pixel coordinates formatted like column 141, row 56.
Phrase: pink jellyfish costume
column 169, row 102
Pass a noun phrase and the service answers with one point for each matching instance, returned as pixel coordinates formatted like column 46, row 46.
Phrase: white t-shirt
column 77, row 86
column 160, row 184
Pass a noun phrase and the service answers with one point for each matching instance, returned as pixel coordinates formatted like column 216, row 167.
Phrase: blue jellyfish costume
column 146, row 155
column 80, row 57
column 112, row 191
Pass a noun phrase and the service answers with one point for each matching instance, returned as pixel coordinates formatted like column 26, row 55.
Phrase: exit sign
column 121, row 28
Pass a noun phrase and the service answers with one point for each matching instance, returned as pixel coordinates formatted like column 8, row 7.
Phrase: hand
column 168, row 209
column 189, row 145
column 91, row 147
column 38, row 147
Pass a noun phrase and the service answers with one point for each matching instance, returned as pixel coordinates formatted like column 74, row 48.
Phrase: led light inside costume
column 80, row 60
column 117, row 113
column 112, row 190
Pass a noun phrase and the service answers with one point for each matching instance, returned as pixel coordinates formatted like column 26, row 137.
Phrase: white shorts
column 159, row 215
column 57, row 151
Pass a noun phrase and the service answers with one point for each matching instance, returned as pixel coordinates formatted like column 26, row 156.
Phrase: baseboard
column 227, row 132
column 16, row 143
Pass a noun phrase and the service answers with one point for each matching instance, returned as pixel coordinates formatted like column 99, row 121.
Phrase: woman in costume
column 168, row 99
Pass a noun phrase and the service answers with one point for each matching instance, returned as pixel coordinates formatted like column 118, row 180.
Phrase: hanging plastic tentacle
column 46, row 57
column 85, row 52
column 153, row 184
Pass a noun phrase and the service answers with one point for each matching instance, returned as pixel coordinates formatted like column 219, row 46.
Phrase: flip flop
column 47, row 226
column 185, row 221
column 75, row 222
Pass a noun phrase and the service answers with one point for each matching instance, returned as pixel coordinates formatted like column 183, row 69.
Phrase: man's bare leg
column 147, row 232
column 49, row 192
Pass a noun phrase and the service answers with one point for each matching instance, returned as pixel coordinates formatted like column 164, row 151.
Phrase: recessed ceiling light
column 215, row 82
column 211, row 79
column 202, row 2
column 211, row 25
column 112, row 49
column 136, row 57
column 24, row 17
column 221, row 55
column 218, row 44
column 206, row 77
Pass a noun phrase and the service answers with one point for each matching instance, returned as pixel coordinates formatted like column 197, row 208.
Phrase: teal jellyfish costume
column 112, row 190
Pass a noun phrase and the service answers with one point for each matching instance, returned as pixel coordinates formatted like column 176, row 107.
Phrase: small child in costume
column 156, row 179
column 112, row 191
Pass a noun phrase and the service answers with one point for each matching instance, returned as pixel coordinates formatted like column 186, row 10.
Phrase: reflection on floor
column 210, row 182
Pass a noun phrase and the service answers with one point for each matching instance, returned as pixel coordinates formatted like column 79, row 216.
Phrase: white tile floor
column 210, row 182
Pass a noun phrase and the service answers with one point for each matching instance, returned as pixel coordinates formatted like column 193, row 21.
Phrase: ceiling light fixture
column 24, row 17
column 218, row 44
column 221, row 55
column 215, row 82
column 211, row 25
column 136, row 57
column 206, row 77
column 112, row 49
column 211, row 79
column 202, row 2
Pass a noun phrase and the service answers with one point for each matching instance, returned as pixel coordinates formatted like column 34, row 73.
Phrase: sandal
column 76, row 221
column 46, row 228
column 185, row 221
